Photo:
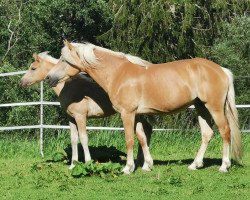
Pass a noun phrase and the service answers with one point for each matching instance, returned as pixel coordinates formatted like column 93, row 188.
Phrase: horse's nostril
column 47, row 78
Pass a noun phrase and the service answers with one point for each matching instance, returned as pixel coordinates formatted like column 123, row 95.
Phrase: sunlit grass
column 170, row 178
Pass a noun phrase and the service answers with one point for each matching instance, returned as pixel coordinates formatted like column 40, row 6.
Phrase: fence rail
column 42, row 126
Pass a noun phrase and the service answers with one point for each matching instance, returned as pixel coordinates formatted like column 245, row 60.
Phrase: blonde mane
column 87, row 56
column 47, row 57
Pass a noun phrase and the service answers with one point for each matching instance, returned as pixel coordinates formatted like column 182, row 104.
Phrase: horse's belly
column 164, row 104
column 163, row 109
column 94, row 110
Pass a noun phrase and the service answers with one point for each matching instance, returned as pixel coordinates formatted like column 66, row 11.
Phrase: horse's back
column 174, row 85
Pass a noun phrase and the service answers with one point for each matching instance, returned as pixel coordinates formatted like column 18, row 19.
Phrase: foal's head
column 39, row 69
column 61, row 72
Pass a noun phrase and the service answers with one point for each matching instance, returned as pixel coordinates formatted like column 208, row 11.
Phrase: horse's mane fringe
column 44, row 55
column 86, row 53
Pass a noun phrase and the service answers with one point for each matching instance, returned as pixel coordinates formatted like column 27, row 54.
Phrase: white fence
column 42, row 126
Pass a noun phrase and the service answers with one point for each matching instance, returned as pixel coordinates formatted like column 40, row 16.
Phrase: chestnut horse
column 82, row 98
column 160, row 88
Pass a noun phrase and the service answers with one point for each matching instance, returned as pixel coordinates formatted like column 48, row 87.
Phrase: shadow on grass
column 105, row 154
column 100, row 154
column 208, row 162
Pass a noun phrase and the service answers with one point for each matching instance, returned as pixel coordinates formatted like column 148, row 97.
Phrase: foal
column 135, row 89
column 90, row 101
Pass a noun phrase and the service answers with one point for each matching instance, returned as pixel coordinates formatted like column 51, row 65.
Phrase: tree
column 162, row 31
column 35, row 26
column 232, row 50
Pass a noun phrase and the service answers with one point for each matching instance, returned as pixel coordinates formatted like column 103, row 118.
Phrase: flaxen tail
column 232, row 117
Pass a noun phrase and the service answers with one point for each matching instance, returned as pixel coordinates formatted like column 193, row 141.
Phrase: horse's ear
column 36, row 57
column 67, row 43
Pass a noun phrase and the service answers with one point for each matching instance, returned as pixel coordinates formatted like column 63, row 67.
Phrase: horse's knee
column 140, row 133
column 74, row 138
column 206, row 137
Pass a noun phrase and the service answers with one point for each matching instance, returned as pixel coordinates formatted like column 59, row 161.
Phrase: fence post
column 41, row 119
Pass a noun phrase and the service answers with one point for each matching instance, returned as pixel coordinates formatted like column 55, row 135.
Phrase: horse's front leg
column 128, row 120
column 74, row 140
column 81, row 120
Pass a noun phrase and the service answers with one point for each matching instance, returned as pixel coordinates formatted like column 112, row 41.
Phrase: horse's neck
column 105, row 71
column 58, row 88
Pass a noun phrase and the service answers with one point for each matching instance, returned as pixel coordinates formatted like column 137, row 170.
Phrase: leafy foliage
column 35, row 26
column 161, row 30
column 232, row 48
column 42, row 25
column 101, row 169
column 59, row 156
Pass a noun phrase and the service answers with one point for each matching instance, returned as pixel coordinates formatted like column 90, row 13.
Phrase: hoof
column 146, row 168
column 195, row 166
column 128, row 169
column 225, row 165
column 192, row 167
column 71, row 166
column 148, row 165
column 223, row 170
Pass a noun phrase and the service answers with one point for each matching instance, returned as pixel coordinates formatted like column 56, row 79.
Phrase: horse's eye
column 33, row 68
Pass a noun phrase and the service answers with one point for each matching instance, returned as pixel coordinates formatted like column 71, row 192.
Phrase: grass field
column 25, row 175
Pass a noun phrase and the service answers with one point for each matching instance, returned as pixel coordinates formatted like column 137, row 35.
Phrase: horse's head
column 61, row 72
column 39, row 69
column 70, row 53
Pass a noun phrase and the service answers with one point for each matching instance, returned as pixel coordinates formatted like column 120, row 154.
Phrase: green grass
column 25, row 175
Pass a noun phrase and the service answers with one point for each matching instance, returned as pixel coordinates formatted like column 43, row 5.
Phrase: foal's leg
column 128, row 120
column 206, row 133
column 205, row 122
column 81, row 124
column 143, row 127
column 74, row 140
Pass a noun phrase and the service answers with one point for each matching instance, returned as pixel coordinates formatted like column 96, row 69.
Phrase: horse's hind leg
column 205, row 122
column 223, row 126
column 143, row 133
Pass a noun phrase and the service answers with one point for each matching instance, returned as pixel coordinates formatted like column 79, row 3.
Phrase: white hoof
column 148, row 165
column 128, row 169
column 223, row 170
column 225, row 165
column 192, row 166
column 195, row 165
column 71, row 166
column 199, row 165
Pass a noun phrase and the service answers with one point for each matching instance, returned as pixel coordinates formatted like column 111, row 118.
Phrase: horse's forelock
column 44, row 55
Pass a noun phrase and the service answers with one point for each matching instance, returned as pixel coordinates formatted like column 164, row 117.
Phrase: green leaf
column 58, row 156
column 78, row 170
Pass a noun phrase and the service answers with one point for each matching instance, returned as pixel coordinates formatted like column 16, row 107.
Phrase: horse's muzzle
column 24, row 83
column 51, row 81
